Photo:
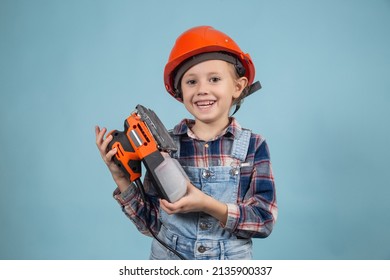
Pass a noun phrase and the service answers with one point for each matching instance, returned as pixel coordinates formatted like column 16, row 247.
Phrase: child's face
column 209, row 89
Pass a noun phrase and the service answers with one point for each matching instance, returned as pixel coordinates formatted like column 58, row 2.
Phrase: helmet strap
column 252, row 88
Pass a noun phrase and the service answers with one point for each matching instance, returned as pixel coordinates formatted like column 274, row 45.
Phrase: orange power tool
column 146, row 140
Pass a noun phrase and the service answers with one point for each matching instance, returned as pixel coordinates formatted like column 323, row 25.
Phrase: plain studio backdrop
column 324, row 110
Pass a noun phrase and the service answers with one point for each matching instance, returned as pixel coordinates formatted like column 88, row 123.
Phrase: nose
column 203, row 88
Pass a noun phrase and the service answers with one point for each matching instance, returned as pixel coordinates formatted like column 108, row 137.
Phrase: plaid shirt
column 255, row 212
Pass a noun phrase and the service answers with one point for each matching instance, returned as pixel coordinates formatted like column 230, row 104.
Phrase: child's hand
column 102, row 144
column 193, row 201
column 196, row 201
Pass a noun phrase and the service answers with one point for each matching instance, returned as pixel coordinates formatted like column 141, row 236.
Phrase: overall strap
column 241, row 145
column 176, row 139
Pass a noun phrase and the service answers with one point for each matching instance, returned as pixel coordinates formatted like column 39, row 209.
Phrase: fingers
column 163, row 207
column 105, row 143
column 100, row 141
column 110, row 154
column 172, row 208
column 99, row 135
column 102, row 144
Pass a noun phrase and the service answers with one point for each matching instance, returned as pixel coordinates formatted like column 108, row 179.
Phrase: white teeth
column 205, row 103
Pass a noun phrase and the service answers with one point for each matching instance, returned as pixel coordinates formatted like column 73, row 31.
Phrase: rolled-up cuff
column 125, row 197
column 233, row 215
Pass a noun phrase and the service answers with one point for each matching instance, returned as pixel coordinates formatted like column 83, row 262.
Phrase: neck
column 209, row 131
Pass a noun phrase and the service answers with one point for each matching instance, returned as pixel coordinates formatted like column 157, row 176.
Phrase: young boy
column 231, row 195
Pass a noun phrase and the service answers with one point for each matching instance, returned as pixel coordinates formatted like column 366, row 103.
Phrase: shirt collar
column 184, row 127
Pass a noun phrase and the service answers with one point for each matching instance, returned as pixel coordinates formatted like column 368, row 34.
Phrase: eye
column 191, row 82
column 215, row 79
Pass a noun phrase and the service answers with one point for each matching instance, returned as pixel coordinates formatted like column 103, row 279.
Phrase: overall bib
column 200, row 236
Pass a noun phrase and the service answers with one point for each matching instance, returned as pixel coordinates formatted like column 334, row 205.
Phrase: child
column 231, row 195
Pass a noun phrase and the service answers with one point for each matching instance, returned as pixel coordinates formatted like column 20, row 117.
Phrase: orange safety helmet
column 203, row 43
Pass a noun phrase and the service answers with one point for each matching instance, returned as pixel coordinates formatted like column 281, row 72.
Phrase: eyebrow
column 208, row 74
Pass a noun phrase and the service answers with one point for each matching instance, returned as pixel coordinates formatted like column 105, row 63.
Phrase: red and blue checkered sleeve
column 255, row 212
column 143, row 213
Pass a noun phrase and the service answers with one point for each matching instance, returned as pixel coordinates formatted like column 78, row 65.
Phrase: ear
column 240, row 85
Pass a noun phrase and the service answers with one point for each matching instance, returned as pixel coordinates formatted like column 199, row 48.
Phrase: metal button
column 202, row 249
column 206, row 173
column 204, row 226
column 234, row 171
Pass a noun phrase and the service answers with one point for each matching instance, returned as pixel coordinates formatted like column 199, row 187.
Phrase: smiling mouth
column 204, row 104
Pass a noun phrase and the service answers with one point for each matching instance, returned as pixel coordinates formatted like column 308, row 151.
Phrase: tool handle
column 125, row 158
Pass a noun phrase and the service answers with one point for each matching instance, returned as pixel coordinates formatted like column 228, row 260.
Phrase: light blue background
column 324, row 109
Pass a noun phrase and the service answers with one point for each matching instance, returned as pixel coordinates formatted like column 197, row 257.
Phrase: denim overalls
column 198, row 235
